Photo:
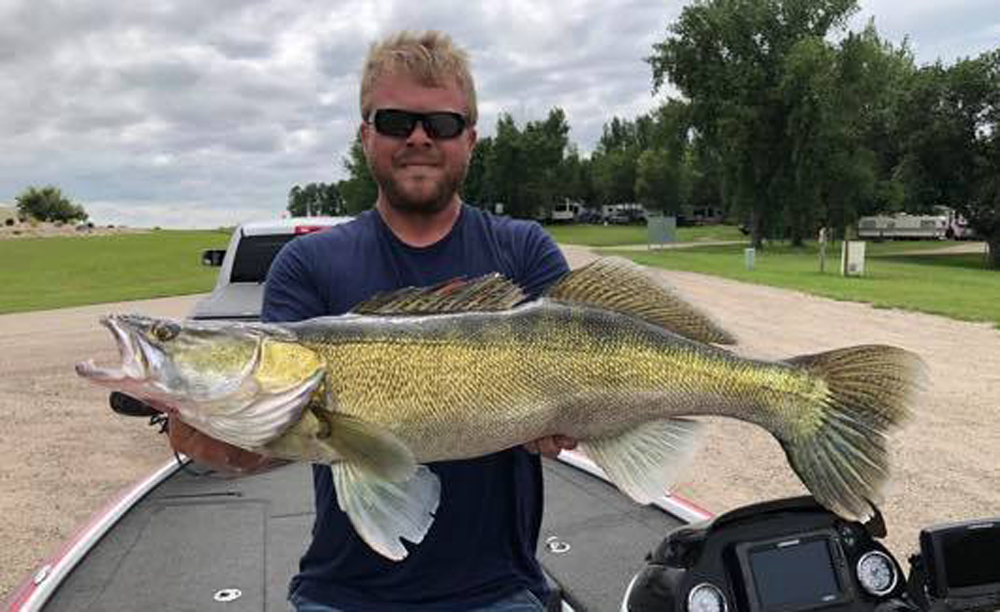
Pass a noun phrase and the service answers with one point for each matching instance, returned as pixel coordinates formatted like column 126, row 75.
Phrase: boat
column 188, row 538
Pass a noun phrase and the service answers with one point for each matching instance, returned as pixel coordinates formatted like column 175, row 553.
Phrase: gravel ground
column 946, row 462
column 65, row 453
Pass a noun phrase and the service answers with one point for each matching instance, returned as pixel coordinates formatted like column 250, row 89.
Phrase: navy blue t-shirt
column 481, row 546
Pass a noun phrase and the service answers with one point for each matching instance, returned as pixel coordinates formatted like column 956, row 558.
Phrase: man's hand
column 218, row 455
column 551, row 446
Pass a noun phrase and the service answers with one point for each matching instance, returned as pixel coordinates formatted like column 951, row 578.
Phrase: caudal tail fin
column 844, row 461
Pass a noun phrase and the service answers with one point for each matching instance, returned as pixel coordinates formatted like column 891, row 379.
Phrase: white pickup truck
column 238, row 294
column 239, row 288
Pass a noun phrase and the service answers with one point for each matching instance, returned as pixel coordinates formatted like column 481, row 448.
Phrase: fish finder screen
column 789, row 576
column 971, row 557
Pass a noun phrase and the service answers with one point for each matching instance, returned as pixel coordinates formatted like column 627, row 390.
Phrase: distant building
column 7, row 212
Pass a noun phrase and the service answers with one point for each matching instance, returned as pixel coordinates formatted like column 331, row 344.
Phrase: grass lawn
column 615, row 235
column 44, row 273
column 953, row 285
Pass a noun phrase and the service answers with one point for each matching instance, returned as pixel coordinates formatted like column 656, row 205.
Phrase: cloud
column 185, row 113
column 935, row 30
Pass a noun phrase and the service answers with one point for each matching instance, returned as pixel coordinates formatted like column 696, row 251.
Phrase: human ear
column 364, row 131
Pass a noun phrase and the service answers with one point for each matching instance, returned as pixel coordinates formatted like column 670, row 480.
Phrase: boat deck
column 199, row 542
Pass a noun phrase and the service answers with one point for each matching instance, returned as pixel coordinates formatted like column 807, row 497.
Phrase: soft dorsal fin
column 482, row 294
column 618, row 284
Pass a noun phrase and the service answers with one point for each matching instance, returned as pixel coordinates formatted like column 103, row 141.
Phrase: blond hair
column 429, row 57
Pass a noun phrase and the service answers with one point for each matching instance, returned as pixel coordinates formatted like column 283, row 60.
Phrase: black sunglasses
column 400, row 123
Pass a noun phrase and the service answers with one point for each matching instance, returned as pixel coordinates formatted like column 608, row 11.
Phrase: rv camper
column 566, row 212
column 944, row 224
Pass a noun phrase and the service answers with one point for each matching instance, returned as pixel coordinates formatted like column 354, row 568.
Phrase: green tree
column 671, row 128
column 615, row 160
column 728, row 58
column 704, row 183
column 475, row 189
column 621, row 134
column 875, row 74
column 952, row 143
column 48, row 204
column 614, row 174
column 664, row 171
column 658, row 183
column 809, row 88
column 359, row 190
column 543, row 148
column 506, row 173
column 574, row 177
column 315, row 199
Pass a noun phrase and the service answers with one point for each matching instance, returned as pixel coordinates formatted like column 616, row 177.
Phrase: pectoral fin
column 372, row 448
column 383, row 513
column 645, row 461
column 385, row 494
column 322, row 436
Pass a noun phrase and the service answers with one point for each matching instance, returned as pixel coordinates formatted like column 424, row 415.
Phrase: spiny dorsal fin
column 482, row 294
column 618, row 284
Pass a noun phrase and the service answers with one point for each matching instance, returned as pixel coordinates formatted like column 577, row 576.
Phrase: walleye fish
column 609, row 356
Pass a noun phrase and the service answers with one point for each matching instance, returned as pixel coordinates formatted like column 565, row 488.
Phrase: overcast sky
column 198, row 113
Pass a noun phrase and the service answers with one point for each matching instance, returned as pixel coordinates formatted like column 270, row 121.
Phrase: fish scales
column 465, row 385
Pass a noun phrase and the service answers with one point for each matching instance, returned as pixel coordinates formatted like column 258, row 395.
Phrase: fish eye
column 164, row 332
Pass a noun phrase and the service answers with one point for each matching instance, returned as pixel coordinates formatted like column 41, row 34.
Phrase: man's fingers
column 216, row 454
column 179, row 433
column 547, row 447
column 565, row 442
column 551, row 446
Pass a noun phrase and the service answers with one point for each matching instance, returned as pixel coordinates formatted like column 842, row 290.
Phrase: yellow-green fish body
column 609, row 357
column 455, row 386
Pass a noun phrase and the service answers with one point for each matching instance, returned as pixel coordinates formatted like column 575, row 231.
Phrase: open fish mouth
column 133, row 359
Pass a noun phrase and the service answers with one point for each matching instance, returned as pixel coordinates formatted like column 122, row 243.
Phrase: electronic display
column 971, row 557
column 789, row 575
column 963, row 559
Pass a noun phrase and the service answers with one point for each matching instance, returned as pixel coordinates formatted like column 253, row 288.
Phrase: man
column 418, row 107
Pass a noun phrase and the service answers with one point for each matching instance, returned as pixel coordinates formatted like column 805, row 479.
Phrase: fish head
column 167, row 363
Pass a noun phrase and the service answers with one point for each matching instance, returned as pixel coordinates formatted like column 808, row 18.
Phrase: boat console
column 793, row 555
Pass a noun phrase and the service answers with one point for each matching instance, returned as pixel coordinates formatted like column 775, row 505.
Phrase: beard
column 429, row 195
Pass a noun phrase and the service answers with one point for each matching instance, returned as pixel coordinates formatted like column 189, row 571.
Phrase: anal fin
column 643, row 462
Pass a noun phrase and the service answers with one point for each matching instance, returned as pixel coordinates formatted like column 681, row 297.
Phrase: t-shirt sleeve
column 290, row 292
column 543, row 263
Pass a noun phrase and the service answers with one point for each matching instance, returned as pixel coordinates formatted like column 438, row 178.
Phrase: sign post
column 852, row 258
column 660, row 230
